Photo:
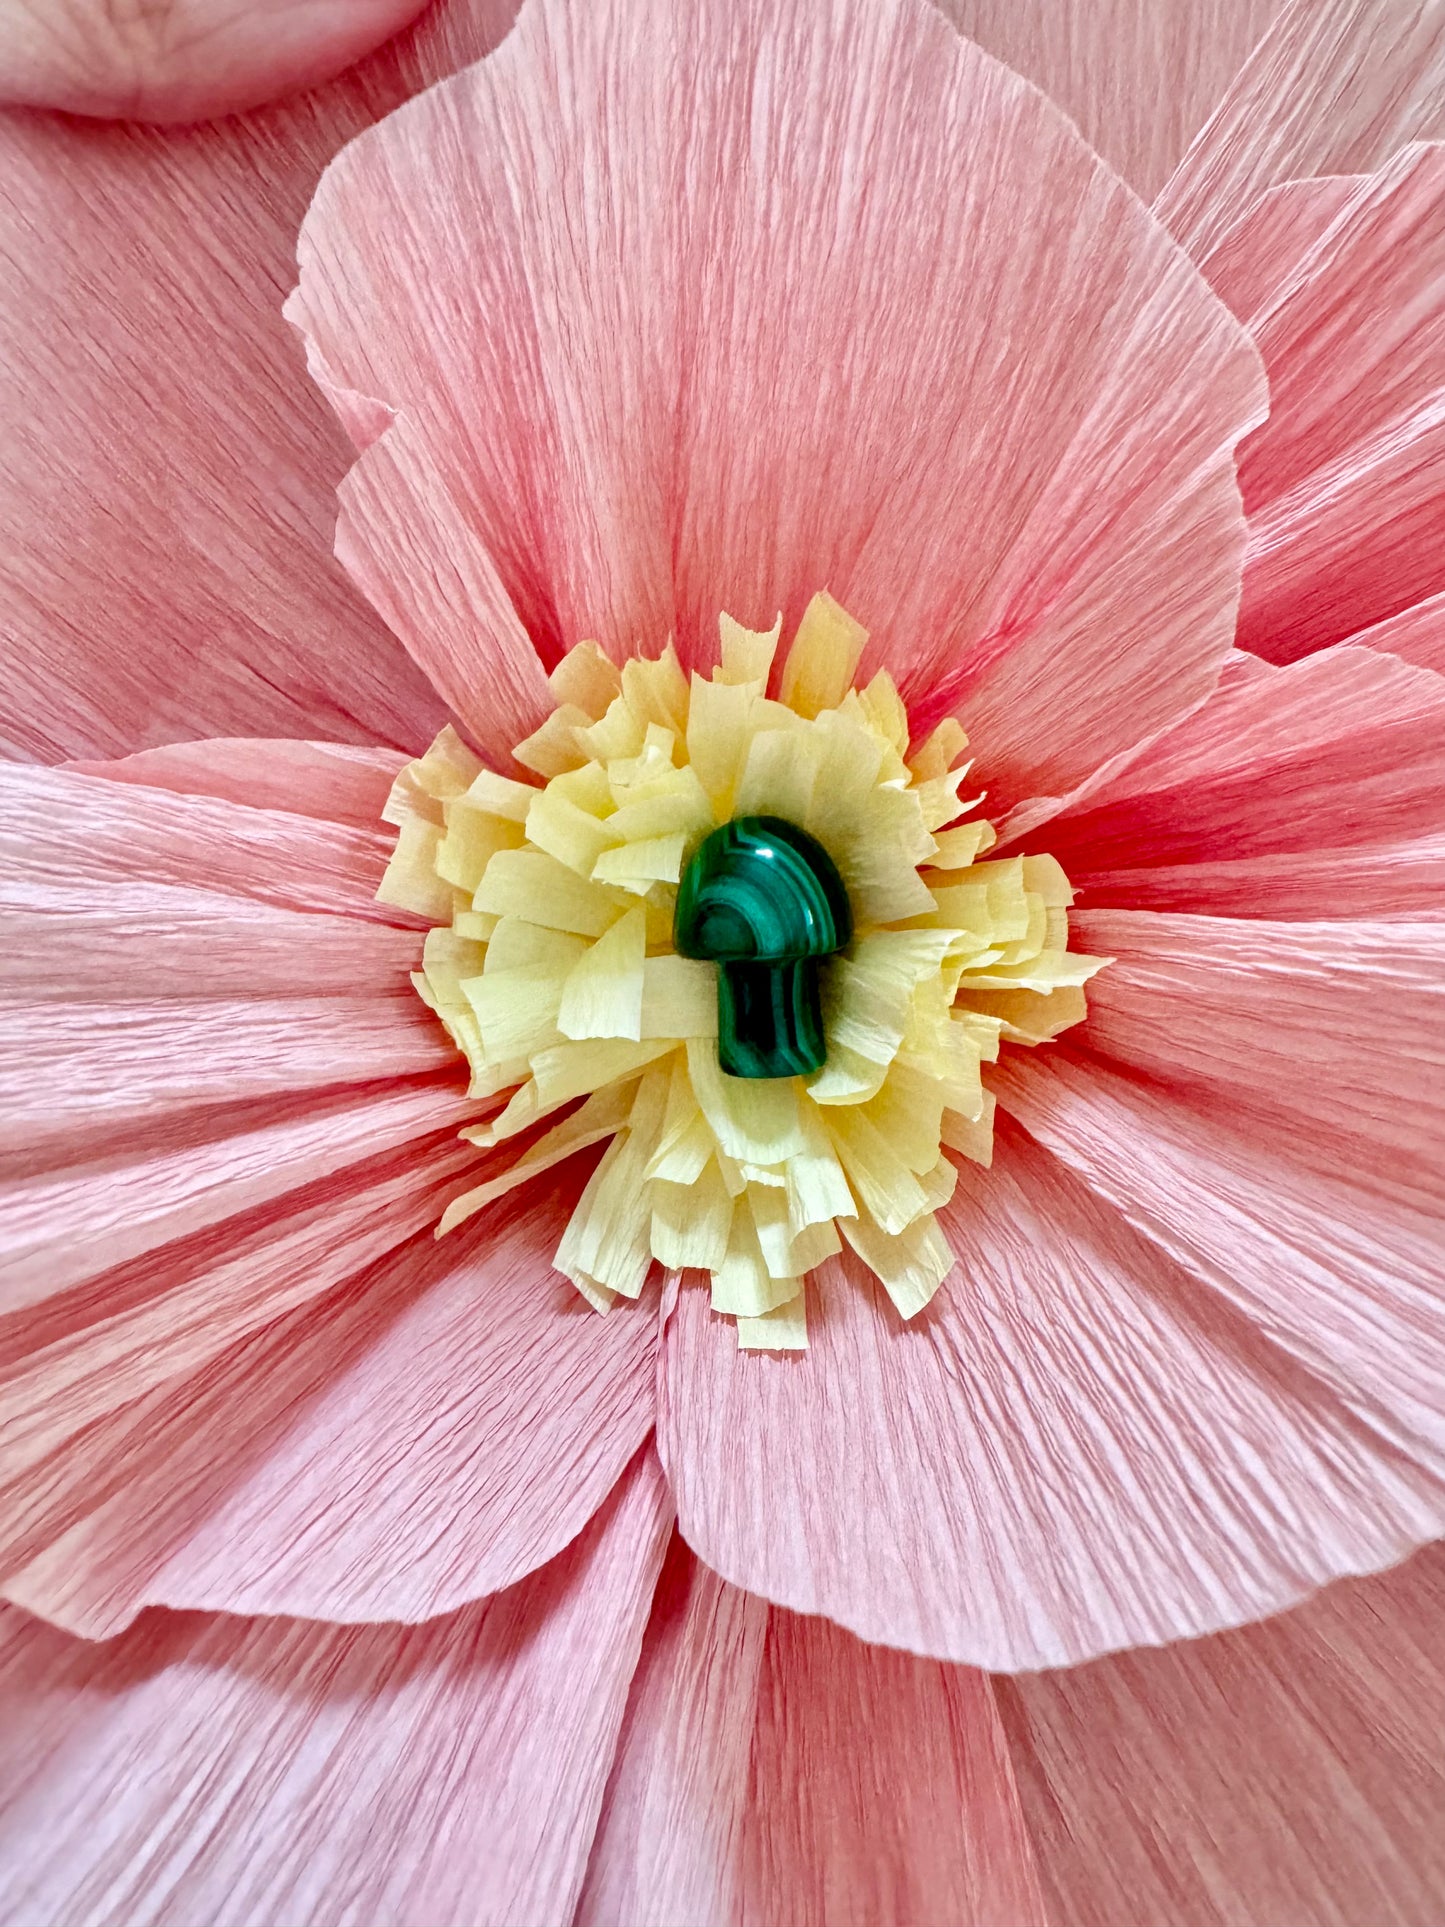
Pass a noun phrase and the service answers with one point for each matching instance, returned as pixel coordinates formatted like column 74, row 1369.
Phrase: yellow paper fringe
column 552, row 968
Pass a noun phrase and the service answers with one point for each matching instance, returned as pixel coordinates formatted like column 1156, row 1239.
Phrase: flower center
column 750, row 943
column 764, row 901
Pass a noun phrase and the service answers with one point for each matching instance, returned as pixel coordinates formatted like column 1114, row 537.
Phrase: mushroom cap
column 759, row 889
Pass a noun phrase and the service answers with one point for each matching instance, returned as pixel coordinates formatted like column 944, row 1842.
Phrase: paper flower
column 780, row 313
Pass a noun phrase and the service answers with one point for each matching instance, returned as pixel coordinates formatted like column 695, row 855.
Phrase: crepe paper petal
column 117, row 1203
column 1289, row 1771
column 408, row 548
column 1333, row 87
column 1417, row 634
column 444, row 1775
column 774, row 1769
column 1354, row 342
column 1260, row 256
column 75, row 1084
column 1078, row 1450
column 432, row 1429
column 1338, row 1265
column 1318, row 786
column 1332, row 1033
column 337, row 782
column 1139, row 81
column 168, row 573
column 67, row 838
column 1078, row 534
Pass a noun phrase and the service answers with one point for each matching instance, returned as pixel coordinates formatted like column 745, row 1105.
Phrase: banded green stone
column 764, row 901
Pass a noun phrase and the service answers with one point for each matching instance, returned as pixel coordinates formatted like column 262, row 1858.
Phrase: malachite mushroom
column 764, row 901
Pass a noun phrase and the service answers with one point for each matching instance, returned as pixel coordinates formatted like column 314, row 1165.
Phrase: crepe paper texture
column 1090, row 358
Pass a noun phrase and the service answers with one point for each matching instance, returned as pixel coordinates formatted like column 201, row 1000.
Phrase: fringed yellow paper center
column 552, row 967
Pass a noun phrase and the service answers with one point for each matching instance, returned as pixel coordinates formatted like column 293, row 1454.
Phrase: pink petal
column 183, row 913
column 1340, row 1267
column 1334, row 87
column 234, row 1771
column 1353, row 544
column 1417, row 634
column 1258, row 259
column 155, row 1091
column 1140, row 80
column 773, row 1769
column 168, row 482
column 67, row 1222
column 1316, row 789
column 74, row 1076
column 405, row 544
column 1288, row 1772
column 1075, row 1449
column 817, row 355
column 1342, row 484
column 70, row 1073
column 437, row 1428
column 67, row 838
column 337, row 782
column 1333, row 1033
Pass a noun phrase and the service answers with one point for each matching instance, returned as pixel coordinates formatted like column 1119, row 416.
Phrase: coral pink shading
column 1333, row 87
column 434, row 1776
column 667, row 308
column 1343, row 486
column 1138, row 79
column 1078, row 453
column 758, row 1751
column 167, row 473
column 1290, row 1771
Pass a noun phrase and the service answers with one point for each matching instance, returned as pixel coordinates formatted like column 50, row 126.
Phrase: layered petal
column 235, row 1370
column 788, row 333
column 1417, row 634
column 233, row 1770
column 1290, row 1771
column 1318, row 789
column 1343, row 483
column 1076, row 1449
column 1333, row 87
column 1340, row 1269
column 167, row 478
column 1140, row 80
column 1259, row 257
column 1333, row 1033
column 774, row 1769
column 407, row 546
column 148, row 1096
column 425, row 1429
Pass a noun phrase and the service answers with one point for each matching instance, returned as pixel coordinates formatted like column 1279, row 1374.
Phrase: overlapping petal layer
column 774, row 1770
column 168, row 474
column 1269, row 1129
column 787, row 374
column 1333, row 87
column 1289, row 1771
column 234, row 1770
column 1343, row 485
column 1139, row 79
column 237, row 1378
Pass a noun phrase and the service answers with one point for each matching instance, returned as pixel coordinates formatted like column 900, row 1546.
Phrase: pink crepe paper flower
column 341, row 1563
